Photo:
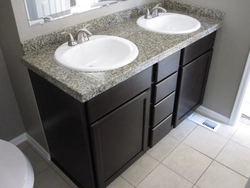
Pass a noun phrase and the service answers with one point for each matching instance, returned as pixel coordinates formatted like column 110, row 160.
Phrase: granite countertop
column 153, row 47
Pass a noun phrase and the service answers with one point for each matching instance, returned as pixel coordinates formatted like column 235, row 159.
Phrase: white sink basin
column 170, row 23
column 100, row 53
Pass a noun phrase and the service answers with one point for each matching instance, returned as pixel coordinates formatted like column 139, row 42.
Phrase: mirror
column 42, row 11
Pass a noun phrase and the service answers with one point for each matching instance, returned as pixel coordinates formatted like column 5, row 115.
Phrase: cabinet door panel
column 192, row 85
column 120, row 138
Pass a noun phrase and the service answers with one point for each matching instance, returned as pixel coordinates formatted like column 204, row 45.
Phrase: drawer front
column 198, row 48
column 167, row 66
column 163, row 109
column 165, row 87
column 118, row 95
column 161, row 130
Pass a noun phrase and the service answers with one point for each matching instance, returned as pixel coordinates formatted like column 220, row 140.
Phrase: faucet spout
column 154, row 12
column 82, row 35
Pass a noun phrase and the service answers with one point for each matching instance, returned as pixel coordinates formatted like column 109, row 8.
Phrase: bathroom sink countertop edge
column 153, row 47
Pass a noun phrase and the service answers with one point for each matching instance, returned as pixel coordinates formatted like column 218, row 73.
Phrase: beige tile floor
column 190, row 156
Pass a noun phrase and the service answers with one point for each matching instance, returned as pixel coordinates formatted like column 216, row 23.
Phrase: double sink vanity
column 100, row 118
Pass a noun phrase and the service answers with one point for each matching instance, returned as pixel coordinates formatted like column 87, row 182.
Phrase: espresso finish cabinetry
column 94, row 142
column 163, row 97
column 120, row 138
column 193, row 73
column 119, row 120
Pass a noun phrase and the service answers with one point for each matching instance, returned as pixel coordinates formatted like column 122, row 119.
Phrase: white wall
column 11, row 124
column 26, row 32
column 18, row 74
column 230, row 53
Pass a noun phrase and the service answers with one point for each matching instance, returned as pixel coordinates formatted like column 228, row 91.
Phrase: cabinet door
column 120, row 138
column 192, row 86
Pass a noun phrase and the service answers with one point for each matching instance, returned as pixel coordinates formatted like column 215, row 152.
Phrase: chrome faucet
column 82, row 35
column 71, row 40
column 154, row 12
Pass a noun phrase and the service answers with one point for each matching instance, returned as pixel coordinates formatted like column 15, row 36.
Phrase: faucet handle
column 71, row 40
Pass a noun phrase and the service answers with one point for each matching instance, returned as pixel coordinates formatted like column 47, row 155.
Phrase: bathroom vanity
column 95, row 141
column 98, row 124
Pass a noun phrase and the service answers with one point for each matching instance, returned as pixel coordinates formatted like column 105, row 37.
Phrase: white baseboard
column 38, row 147
column 26, row 137
column 212, row 115
column 18, row 140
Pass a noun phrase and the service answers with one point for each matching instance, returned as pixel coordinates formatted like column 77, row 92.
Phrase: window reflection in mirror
column 42, row 11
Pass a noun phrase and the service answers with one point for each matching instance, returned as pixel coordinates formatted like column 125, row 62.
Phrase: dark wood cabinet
column 66, row 129
column 120, row 138
column 163, row 97
column 95, row 141
column 193, row 73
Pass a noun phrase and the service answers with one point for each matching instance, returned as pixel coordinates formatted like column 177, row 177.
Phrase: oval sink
column 100, row 53
column 170, row 23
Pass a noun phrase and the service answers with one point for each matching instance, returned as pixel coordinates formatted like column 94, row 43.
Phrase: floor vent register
column 205, row 122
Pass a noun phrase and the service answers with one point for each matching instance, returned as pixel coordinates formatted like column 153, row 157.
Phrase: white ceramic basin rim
column 170, row 23
column 100, row 53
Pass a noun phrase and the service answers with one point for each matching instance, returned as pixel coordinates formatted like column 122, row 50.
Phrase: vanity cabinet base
column 94, row 142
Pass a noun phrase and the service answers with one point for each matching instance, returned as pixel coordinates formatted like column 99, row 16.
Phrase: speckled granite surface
column 153, row 47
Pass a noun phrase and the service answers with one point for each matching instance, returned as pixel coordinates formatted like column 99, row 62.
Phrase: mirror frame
column 42, row 11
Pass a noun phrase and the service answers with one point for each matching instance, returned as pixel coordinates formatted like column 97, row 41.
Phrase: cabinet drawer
column 165, row 87
column 118, row 95
column 161, row 130
column 198, row 48
column 167, row 66
column 163, row 109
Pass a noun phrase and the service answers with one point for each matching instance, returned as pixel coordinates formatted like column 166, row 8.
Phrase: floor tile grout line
column 168, row 153
column 181, row 141
column 41, row 171
column 199, row 151
column 126, row 181
column 231, row 169
column 61, row 176
column 201, row 174
column 240, row 144
column 187, row 134
column 204, row 171
column 171, row 151
column 235, row 131
column 178, row 174
column 214, row 160
column 148, row 174
column 221, row 149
